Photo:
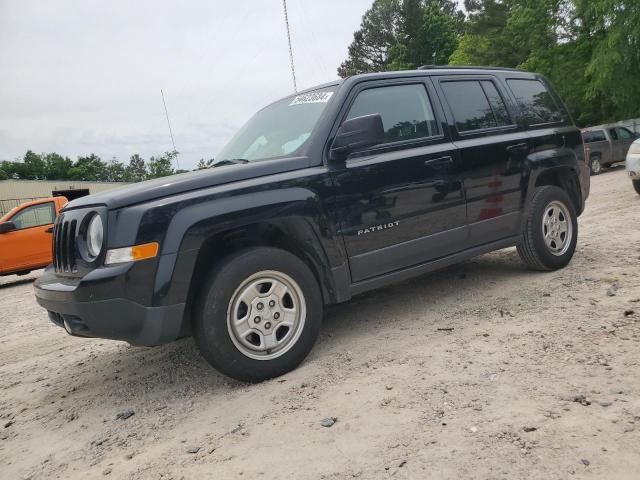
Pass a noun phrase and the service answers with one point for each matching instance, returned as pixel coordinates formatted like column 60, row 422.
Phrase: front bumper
column 74, row 305
column 633, row 165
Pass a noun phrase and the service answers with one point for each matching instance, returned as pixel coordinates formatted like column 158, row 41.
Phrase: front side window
column 476, row 105
column 535, row 102
column 593, row 136
column 405, row 110
column 624, row 134
column 279, row 130
column 35, row 216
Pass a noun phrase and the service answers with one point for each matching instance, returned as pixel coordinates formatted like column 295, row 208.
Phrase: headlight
column 634, row 148
column 95, row 236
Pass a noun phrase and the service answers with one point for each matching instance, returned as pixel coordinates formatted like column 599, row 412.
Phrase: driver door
column 29, row 245
column 400, row 203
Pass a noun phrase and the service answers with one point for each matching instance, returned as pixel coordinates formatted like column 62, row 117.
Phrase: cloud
column 85, row 77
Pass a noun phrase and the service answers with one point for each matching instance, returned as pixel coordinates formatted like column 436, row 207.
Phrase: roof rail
column 466, row 67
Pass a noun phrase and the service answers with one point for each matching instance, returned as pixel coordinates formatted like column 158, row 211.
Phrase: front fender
column 295, row 211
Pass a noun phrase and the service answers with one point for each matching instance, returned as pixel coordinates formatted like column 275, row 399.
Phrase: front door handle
column 432, row 161
column 49, row 230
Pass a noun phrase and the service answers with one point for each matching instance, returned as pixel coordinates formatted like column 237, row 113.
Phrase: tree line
column 53, row 166
column 589, row 49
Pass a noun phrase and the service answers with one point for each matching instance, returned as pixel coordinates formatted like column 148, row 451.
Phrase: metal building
column 15, row 192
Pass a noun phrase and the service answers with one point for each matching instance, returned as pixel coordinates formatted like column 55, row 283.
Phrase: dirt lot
column 483, row 370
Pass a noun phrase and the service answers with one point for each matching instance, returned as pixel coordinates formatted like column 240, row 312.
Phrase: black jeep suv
column 322, row 195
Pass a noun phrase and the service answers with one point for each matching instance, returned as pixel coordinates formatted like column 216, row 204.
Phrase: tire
column 552, row 251
column 234, row 336
column 595, row 164
column 636, row 185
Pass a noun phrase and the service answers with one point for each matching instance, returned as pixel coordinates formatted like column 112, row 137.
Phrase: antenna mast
column 169, row 124
column 293, row 69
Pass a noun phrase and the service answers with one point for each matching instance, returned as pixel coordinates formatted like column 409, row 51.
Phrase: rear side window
column 475, row 105
column 405, row 110
column 593, row 136
column 535, row 102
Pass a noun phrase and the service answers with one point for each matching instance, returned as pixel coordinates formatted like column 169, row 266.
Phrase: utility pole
column 293, row 69
column 169, row 124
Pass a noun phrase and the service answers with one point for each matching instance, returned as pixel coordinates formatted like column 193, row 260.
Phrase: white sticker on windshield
column 314, row 97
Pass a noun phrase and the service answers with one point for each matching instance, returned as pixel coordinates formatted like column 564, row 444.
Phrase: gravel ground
column 482, row 370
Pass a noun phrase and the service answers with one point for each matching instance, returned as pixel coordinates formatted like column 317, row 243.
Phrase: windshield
column 279, row 130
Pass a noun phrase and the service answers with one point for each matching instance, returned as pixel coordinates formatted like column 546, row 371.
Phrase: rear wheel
column 636, row 185
column 550, row 232
column 596, row 165
column 258, row 315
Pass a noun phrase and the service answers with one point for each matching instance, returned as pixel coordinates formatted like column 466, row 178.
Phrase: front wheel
column 550, row 231
column 596, row 165
column 636, row 185
column 258, row 315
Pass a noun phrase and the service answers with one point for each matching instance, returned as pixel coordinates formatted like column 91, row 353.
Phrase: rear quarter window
column 535, row 102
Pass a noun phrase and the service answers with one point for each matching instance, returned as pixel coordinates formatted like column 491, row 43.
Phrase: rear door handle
column 432, row 161
column 518, row 146
column 49, row 230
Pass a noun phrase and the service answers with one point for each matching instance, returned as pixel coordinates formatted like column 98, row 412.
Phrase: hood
column 186, row 182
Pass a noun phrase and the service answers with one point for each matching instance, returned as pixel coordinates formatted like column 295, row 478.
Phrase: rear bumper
column 70, row 307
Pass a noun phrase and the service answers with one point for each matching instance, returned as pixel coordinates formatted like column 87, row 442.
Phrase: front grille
column 64, row 242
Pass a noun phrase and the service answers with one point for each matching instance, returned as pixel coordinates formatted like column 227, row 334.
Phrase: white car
column 633, row 164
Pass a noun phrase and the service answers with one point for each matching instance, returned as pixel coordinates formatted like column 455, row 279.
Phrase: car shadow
column 15, row 283
column 614, row 167
column 128, row 373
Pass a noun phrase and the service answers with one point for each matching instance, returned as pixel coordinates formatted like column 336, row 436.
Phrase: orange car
column 25, row 235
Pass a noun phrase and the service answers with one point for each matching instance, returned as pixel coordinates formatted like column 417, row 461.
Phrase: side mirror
column 357, row 134
column 7, row 227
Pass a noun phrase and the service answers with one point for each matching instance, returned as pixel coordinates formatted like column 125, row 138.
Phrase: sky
column 81, row 77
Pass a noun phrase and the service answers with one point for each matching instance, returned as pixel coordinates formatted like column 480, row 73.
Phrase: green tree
column 57, row 167
column 431, row 32
column 34, row 166
column 589, row 49
column 487, row 39
column 14, row 170
column 88, row 168
column 136, row 171
column 612, row 28
column 162, row 166
column 378, row 33
column 202, row 163
column 115, row 171
column 404, row 34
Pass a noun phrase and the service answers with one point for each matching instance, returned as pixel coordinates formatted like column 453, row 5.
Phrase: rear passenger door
column 492, row 152
column 555, row 140
column 401, row 202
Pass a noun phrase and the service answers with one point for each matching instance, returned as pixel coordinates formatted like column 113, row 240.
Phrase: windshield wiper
column 230, row 161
